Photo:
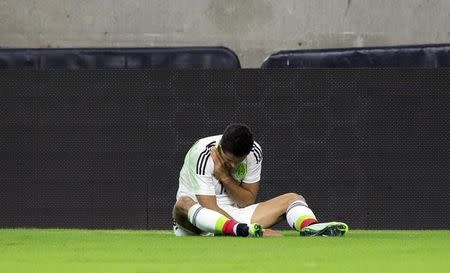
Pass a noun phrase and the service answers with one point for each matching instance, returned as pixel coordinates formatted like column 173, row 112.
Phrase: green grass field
column 65, row 251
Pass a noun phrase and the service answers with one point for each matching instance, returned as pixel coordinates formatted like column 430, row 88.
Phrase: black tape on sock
column 242, row 230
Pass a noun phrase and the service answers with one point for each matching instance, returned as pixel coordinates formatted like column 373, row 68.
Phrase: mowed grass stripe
column 63, row 250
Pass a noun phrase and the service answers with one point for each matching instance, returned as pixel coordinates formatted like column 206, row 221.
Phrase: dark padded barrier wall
column 119, row 58
column 431, row 56
column 103, row 149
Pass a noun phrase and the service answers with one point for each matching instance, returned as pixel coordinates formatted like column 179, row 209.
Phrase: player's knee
column 294, row 197
column 183, row 205
column 301, row 198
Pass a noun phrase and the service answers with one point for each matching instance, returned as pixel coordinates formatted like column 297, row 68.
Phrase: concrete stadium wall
column 252, row 28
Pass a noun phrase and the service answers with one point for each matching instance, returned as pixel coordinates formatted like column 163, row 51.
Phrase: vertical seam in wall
column 36, row 101
column 147, row 157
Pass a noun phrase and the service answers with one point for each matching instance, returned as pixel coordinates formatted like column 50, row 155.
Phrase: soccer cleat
column 325, row 229
column 255, row 230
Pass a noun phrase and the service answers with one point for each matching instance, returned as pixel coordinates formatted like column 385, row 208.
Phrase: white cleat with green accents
column 325, row 229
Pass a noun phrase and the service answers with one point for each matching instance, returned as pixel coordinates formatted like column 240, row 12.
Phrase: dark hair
column 237, row 139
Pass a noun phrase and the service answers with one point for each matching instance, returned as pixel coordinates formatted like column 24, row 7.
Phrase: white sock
column 213, row 221
column 203, row 218
column 298, row 215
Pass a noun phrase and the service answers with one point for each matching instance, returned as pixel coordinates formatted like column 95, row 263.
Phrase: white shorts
column 241, row 215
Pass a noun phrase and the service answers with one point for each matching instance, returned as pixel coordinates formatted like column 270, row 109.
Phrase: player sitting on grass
column 218, row 185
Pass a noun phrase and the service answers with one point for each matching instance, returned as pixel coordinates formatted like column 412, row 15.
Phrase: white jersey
column 197, row 173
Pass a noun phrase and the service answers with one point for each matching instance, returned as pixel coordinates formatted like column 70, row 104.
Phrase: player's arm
column 202, row 181
column 210, row 202
column 242, row 193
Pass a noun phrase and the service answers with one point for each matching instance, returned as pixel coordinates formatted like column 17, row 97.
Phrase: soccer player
column 218, row 185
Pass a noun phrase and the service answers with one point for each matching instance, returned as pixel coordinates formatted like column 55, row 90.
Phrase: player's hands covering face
column 221, row 169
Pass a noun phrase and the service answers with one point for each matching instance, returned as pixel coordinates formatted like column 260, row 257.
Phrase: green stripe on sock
column 299, row 221
column 219, row 225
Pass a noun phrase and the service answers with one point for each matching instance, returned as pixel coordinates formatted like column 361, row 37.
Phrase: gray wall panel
column 103, row 149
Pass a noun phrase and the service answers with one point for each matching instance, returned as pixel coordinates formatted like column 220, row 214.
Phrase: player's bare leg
column 180, row 214
column 273, row 211
column 299, row 216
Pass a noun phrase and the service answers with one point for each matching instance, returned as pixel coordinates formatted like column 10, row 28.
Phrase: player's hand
column 221, row 171
column 272, row 233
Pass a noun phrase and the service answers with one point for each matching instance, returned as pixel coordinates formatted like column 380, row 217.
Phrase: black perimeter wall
column 103, row 149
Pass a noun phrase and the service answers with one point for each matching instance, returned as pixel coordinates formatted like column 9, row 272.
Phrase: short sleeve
column 201, row 171
column 254, row 162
